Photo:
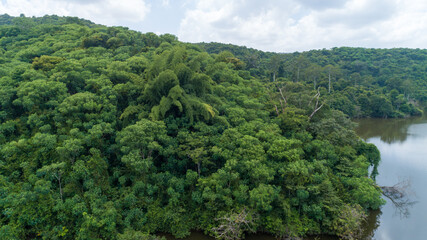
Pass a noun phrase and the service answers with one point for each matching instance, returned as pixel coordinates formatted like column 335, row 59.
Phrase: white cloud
column 356, row 14
column 271, row 25
column 408, row 27
column 324, row 4
column 293, row 25
column 238, row 21
column 108, row 12
column 165, row 3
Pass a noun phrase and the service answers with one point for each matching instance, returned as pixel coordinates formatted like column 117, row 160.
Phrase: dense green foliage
column 108, row 133
column 360, row 82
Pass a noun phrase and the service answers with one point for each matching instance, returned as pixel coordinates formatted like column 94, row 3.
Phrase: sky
column 268, row 25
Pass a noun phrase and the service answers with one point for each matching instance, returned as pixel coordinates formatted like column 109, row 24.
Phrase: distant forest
column 109, row 133
column 379, row 83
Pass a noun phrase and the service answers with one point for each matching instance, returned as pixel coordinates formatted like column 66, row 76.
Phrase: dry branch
column 399, row 194
column 316, row 107
column 232, row 226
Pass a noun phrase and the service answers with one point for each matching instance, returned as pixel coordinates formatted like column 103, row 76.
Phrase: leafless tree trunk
column 283, row 102
column 57, row 175
column 284, row 99
column 329, row 85
column 316, row 107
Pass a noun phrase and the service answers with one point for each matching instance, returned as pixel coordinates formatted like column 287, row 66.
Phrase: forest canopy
column 109, row 133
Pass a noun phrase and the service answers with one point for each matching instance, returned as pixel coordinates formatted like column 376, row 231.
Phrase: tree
column 46, row 63
column 194, row 146
column 161, row 87
column 400, row 195
column 349, row 223
column 274, row 65
column 301, row 62
column 313, row 72
column 56, row 170
column 142, row 143
column 381, row 106
column 233, row 225
column 40, row 95
column 332, row 72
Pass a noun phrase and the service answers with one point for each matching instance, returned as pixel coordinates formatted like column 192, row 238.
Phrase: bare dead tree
column 54, row 170
column 329, row 78
column 316, row 107
column 57, row 175
column 233, row 225
column 283, row 97
column 282, row 100
column 400, row 195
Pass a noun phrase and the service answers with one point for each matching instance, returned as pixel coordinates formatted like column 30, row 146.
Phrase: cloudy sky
column 269, row 25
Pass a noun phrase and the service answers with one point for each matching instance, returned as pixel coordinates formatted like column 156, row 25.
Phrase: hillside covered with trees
column 108, row 133
column 379, row 83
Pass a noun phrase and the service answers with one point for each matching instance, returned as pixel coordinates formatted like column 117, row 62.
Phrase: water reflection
column 258, row 236
column 371, row 224
column 401, row 196
column 388, row 130
column 403, row 147
column 193, row 236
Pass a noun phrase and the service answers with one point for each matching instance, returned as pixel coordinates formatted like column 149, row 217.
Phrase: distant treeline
column 360, row 82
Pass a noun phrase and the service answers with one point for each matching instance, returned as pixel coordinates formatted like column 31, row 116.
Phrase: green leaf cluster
column 108, row 133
